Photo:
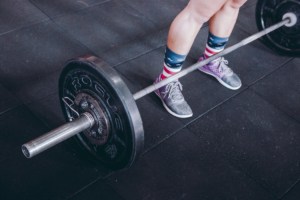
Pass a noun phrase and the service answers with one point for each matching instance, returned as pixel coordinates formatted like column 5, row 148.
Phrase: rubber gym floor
column 242, row 144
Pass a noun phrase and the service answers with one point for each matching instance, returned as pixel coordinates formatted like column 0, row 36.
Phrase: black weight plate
column 89, row 76
column 285, row 40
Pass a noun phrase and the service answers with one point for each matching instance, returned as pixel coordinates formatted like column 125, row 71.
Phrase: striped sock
column 172, row 63
column 214, row 45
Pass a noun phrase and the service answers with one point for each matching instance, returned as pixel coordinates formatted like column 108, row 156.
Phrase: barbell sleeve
column 58, row 135
column 195, row 66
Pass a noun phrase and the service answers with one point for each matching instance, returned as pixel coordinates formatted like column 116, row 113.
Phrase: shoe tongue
column 225, row 69
column 218, row 60
column 175, row 92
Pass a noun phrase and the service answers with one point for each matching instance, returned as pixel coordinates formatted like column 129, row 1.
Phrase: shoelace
column 222, row 66
column 173, row 90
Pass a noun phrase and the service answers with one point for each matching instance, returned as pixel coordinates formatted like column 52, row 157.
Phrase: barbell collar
column 292, row 17
column 58, row 135
column 195, row 66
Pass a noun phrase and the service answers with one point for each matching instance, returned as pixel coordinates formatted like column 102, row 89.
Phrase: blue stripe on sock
column 216, row 42
column 172, row 59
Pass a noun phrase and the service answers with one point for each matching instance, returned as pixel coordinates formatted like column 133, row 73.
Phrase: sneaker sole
column 221, row 81
column 170, row 111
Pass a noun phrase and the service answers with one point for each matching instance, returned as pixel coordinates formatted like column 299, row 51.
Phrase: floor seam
column 290, row 189
column 275, row 106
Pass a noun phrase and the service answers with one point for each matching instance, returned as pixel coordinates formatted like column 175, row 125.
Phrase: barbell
column 287, row 39
column 102, row 112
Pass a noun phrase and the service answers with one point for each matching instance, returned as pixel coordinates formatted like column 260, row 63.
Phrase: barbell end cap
column 26, row 151
column 292, row 17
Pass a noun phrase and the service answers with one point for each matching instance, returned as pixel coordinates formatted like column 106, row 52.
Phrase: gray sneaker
column 219, row 69
column 173, row 99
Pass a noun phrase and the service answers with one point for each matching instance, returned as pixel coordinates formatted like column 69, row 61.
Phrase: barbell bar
column 108, row 109
column 289, row 19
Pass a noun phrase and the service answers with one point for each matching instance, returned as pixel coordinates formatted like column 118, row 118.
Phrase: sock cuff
column 216, row 42
column 217, row 38
column 172, row 59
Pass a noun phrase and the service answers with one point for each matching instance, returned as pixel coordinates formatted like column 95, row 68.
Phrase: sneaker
column 173, row 100
column 219, row 69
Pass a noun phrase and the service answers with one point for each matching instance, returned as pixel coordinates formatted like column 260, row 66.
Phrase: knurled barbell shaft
column 195, row 66
column 58, row 135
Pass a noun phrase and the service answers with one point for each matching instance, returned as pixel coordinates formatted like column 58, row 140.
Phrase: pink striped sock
column 172, row 63
column 214, row 45
column 167, row 72
column 211, row 51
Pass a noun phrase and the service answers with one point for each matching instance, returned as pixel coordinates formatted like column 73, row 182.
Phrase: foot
column 173, row 100
column 219, row 69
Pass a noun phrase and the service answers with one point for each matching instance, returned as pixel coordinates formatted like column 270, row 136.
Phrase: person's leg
column 220, row 28
column 182, row 34
column 223, row 22
column 188, row 22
